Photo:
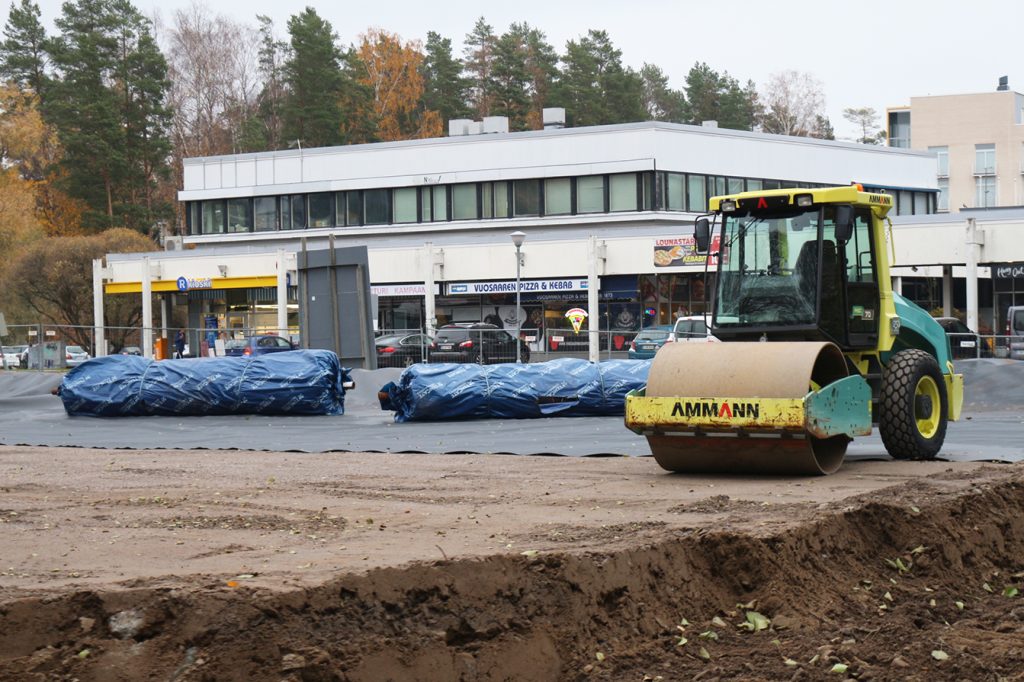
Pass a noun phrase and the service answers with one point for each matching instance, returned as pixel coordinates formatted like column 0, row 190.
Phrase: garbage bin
column 160, row 349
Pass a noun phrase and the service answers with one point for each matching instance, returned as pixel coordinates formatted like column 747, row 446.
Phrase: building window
column 920, row 203
column 984, row 159
column 899, row 129
column 526, row 197
column 941, row 161
column 464, row 205
column 943, row 194
column 557, row 196
column 675, row 192
column 293, row 212
column 213, row 217
column 647, row 193
column 405, row 209
column 375, row 207
column 439, row 201
column 194, row 218
column 696, row 198
column 265, row 214
column 494, row 200
column 735, row 185
column 350, row 207
column 985, row 190
column 320, row 210
column 239, row 215
column 622, row 192
column 590, row 194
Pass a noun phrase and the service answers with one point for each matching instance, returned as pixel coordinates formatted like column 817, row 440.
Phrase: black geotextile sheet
column 294, row 382
column 567, row 387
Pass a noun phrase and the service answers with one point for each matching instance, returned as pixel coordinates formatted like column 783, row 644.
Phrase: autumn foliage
column 393, row 75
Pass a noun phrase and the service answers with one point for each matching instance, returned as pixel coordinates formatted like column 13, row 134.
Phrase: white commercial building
column 607, row 211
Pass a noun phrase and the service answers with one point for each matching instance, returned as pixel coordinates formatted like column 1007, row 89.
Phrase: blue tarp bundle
column 294, row 382
column 566, row 387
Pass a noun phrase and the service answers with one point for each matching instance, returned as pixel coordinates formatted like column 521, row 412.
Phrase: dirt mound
column 918, row 581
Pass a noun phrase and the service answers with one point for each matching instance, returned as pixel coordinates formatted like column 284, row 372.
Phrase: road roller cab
column 806, row 270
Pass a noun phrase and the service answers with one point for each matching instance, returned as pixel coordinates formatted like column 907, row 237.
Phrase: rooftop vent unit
column 1004, row 84
column 495, row 124
column 554, row 118
column 709, row 124
column 458, row 126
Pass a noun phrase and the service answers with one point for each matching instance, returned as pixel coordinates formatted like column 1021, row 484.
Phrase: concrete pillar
column 974, row 242
column 163, row 315
column 947, row 291
column 594, row 254
column 282, row 294
column 147, row 309
column 99, row 330
column 429, row 304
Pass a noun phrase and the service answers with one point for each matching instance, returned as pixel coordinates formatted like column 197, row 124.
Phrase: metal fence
column 52, row 346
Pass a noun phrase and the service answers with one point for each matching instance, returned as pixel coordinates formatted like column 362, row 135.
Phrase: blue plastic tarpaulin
column 293, row 382
column 567, row 387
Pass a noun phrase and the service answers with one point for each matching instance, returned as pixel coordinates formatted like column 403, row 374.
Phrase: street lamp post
column 518, row 238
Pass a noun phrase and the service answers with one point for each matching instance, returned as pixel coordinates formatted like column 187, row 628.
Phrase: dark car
column 646, row 343
column 257, row 345
column 963, row 343
column 476, row 342
column 401, row 350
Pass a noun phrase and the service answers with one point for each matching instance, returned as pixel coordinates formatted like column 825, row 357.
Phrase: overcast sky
column 876, row 54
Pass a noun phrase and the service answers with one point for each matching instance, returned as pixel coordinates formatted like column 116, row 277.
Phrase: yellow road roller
column 817, row 347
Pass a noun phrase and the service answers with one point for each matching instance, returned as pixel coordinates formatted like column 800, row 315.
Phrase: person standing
column 179, row 344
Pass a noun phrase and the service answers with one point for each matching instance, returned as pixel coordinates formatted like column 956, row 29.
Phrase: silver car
column 75, row 355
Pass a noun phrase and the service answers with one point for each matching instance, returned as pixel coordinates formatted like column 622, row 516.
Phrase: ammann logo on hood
column 723, row 410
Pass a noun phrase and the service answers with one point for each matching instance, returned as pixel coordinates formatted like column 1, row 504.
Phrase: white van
column 692, row 329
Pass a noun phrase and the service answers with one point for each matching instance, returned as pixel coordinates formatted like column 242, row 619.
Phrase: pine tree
column 711, row 96
column 510, row 78
column 479, row 64
column 444, row 88
column 542, row 68
column 594, row 87
column 107, row 102
column 661, row 102
column 23, row 51
column 266, row 131
column 312, row 115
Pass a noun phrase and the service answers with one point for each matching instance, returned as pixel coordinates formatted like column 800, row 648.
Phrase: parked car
column 963, row 342
column 1015, row 331
column 12, row 356
column 257, row 345
column 401, row 350
column 692, row 329
column 75, row 355
column 645, row 344
column 476, row 342
column 131, row 350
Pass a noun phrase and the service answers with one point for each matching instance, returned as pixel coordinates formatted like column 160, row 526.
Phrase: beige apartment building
column 978, row 142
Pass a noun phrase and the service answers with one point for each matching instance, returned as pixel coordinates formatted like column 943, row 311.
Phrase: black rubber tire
column 897, row 421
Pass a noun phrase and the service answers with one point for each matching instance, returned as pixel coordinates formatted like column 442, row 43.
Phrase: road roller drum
column 785, row 407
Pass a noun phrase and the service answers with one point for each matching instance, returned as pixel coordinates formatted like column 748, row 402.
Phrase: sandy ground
column 212, row 565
